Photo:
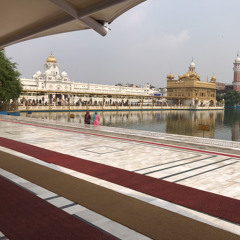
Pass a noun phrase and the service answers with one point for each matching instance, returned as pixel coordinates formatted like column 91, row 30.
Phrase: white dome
column 38, row 72
column 48, row 72
column 35, row 76
column 192, row 64
column 64, row 74
column 237, row 60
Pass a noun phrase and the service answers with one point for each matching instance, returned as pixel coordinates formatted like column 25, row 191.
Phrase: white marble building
column 50, row 80
column 54, row 81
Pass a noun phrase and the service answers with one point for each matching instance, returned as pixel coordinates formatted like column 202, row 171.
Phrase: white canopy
column 22, row 20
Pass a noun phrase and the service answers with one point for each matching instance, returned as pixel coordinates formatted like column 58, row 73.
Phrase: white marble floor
column 210, row 172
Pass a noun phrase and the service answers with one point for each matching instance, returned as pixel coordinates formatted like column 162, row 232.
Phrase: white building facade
column 54, row 82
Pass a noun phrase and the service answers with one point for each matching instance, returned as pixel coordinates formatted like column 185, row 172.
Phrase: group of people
column 89, row 120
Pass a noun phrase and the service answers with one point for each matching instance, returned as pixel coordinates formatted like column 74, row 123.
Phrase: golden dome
column 51, row 59
column 170, row 76
column 192, row 74
column 213, row 79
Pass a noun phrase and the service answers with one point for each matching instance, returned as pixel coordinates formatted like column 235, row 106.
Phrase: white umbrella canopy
column 22, row 20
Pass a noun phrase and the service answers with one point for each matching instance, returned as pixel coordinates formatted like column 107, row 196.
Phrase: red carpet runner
column 25, row 216
column 206, row 202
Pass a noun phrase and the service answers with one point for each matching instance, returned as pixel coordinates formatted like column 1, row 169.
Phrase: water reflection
column 222, row 124
column 232, row 118
column 187, row 122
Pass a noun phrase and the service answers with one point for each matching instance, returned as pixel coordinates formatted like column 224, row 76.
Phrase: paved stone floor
column 212, row 172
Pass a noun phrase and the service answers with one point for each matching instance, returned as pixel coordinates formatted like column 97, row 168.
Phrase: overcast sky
column 144, row 45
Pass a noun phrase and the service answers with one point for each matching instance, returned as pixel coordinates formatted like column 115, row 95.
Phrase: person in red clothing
column 87, row 118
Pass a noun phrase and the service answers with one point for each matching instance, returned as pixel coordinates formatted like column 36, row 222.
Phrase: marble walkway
column 198, row 164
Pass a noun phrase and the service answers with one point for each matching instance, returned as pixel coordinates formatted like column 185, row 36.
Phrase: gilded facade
column 188, row 90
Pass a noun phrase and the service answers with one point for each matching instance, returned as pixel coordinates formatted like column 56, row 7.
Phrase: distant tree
column 10, row 85
column 231, row 98
column 220, row 97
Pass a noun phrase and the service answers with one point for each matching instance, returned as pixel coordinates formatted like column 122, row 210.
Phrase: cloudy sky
column 144, row 45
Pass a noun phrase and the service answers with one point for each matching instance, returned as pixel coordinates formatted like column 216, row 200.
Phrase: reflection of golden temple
column 184, row 123
column 189, row 90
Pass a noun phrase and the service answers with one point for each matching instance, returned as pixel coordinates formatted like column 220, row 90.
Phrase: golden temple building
column 188, row 90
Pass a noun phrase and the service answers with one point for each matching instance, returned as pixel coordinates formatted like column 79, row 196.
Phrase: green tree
column 219, row 97
column 10, row 85
column 232, row 98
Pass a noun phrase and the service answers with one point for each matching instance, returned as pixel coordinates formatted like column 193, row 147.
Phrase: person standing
column 87, row 118
column 96, row 119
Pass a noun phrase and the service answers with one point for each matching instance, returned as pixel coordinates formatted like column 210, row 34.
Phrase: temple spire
column 192, row 66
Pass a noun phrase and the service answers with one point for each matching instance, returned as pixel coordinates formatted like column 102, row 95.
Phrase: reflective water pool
column 222, row 124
